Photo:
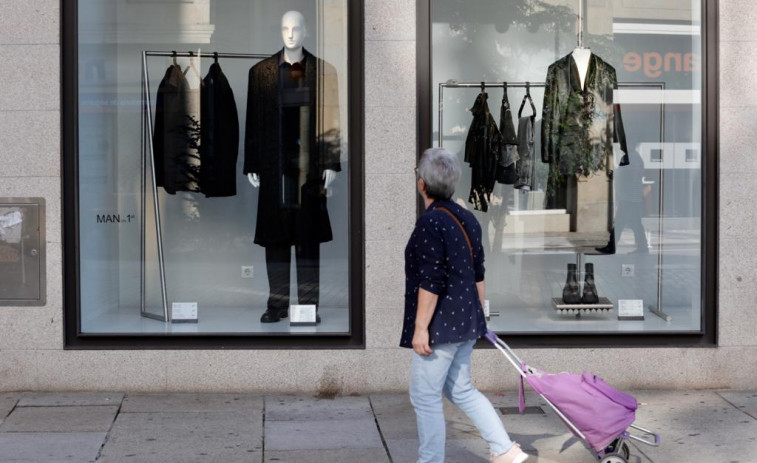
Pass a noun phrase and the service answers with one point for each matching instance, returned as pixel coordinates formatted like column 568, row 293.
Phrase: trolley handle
column 656, row 436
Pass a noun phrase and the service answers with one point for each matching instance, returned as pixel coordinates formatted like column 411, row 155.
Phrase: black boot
column 571, row 293
column 274, row 315
column 610, row 247
column 590, row 295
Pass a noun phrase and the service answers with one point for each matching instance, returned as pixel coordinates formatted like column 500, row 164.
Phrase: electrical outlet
column 626, row 270
column 247, row 271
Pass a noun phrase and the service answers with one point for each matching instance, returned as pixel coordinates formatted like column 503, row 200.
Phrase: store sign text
column 653, row 64
column 115, row 218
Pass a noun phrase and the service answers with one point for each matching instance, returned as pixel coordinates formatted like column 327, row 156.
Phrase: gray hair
column 440, row 171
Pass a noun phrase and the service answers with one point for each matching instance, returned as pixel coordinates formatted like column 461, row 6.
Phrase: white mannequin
column 293, row 34
column 581, row 56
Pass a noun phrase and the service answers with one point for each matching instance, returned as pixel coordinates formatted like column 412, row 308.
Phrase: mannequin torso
column 581, row 57
column 293, row 33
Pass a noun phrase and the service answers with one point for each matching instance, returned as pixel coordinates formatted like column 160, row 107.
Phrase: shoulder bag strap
column 457, row 221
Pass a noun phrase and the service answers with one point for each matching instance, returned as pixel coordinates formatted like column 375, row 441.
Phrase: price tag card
column 302, row 315
column 486, row 308
column 184, row 312
column 630, row 309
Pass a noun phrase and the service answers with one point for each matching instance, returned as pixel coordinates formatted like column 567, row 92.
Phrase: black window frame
column 707, row 335
column 75, row 339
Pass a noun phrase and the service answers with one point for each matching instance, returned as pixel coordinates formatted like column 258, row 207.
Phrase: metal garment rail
column 147, row 134
column 452, row 84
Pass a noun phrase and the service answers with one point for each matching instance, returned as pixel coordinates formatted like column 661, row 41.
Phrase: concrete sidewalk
column 696, row 426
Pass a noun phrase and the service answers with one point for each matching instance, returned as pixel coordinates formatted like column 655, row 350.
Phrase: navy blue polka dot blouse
column 438, row 260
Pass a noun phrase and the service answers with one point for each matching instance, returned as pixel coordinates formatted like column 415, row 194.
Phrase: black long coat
column 219, row 141
column 278, row 224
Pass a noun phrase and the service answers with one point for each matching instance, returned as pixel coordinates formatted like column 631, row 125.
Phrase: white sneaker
column 514, row 455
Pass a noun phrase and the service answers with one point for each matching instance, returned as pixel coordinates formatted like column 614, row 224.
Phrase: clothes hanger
column 215, row 57
column 505, row 100
column 192, row 66
column 173, row 55
column 530, row 100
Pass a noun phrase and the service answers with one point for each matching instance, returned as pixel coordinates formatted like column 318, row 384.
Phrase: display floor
column 215, row 321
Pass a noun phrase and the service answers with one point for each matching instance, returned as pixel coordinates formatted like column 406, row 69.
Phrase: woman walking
column 444, row 274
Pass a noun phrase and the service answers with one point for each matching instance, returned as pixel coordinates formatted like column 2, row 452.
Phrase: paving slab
column 151, row 403
column 7, row 402
column 219, row 456
column 298, row 408
column 51, row 447
column 696, row 426
column 322, row 435
column 328, row 456
column 185, row 436
column 60, row 419
column 746, row 401
column 69, row 399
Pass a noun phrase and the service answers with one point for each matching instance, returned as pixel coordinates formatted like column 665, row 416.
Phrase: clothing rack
column 147, row 150
column 580, row 24
column 453, row 84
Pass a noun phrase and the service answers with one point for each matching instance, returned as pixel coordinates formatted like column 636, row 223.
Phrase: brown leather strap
column 457, row 221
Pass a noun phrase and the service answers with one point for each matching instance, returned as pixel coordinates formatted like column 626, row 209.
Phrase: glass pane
column 213, row 190
column 591, row 209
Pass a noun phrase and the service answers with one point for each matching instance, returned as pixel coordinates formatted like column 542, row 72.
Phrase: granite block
column 390, row 140
column 183, row 402
column 390, row 74
column 60, row 419
column 31, row 141
column 327, row 456
column 298, row 408
column 33, row 82
column 737, row 21
column 70, row 399
column 54, row 447
column 392, row 202
column 322, row 435
column 8, row 402
column 735, row 152
column 186, row 436
column 739, row 75
column 385, row 273
column 29, row 21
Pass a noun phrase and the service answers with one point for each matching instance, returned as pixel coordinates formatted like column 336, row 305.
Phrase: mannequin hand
column 254, row 180
column 328, row 177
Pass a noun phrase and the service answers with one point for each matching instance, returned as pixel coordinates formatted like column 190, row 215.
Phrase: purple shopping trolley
column 595, row 412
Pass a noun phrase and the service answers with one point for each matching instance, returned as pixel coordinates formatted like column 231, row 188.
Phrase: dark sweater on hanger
column 219, row 145
column 177, row 134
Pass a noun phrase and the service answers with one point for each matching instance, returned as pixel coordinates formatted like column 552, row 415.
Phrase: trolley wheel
column 619, row 447
column 625, row 451
column 615, row 458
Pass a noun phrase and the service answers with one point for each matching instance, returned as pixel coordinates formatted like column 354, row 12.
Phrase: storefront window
column 582, row 157
column 213, row 167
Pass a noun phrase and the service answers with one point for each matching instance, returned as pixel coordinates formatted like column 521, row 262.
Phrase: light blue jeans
column 447, row 370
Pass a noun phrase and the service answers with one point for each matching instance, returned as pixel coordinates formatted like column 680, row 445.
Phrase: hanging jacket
column 526, row 166
column 177, row 133
column 482, row 151
column 579, row 125
column 526, row 145
column 219, row 135
column 507, row 170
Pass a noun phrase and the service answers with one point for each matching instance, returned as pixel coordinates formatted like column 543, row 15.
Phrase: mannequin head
column 293, row 30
